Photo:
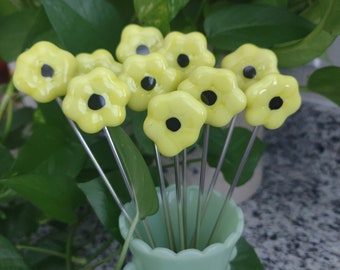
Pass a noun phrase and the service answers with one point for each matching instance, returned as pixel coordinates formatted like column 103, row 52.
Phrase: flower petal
column 217, row 91
column 250, row 64
column 96, row 99
column 43, row 71
column 272, row 100
column 174, row 121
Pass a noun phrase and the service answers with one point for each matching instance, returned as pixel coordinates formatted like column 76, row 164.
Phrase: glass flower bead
column 174, row 121
column 250, row 64
column 147, row 76
column 272, row 100
column 217, row 90
column 140, row 40
column 43, row 71
column 186, row 52
column 99, row 58
column 96, row 99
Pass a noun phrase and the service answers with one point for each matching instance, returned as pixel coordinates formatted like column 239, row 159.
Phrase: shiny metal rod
column 235, row 180
column 201, row 186
column 165, row 203
column 179, row 195
column 127, row 183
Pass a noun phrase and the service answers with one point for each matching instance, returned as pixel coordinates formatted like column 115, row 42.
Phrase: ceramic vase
column 216, row 256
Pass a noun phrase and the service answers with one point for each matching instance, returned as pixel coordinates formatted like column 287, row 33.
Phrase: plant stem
column 7, row 103
column 6, row 97
column 69, row 247
column 81, row 261
column 127, row 242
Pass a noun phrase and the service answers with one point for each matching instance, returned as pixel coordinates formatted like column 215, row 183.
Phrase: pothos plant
column 46, row 177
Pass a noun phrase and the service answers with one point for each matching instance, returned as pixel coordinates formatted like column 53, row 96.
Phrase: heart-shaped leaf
column 58, row 197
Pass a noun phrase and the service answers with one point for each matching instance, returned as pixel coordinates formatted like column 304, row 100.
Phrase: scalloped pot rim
column 165, row 252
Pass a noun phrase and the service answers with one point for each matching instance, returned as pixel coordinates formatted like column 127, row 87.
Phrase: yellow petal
column 250, row 64
column 96, row 99
column 174, row 121
column 43, row 71
column 136, row 39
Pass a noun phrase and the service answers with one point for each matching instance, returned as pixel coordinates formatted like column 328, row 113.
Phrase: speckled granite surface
column 293, row 221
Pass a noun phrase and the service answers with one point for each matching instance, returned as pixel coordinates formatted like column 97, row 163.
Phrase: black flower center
column 47, row 71
column 96, row 102
column 209, row 97
column 275, row 103
column 249, row 72
column 183, row 60
column 173, row 124
column 148, row 83
column 142, row 49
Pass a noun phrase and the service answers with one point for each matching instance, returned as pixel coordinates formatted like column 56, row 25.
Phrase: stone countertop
column 293, row 221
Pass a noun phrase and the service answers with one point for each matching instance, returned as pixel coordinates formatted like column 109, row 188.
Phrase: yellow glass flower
column 96, row 99
column 250, row 64
column 146, row 77
column 43, row 71
column 99, row 58
column 186, row 52
column 136, row 39
column 217, row 90
column 272, row 100
column 174, row 121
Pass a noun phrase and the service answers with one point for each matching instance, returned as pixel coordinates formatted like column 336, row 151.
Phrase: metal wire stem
column 127, row 182
column 235, row 180
column 179, row 194
column 165, row 201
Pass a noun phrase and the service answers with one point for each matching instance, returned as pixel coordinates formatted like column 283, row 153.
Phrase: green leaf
column 7, row 7
column 175, row 6
column 125, row 8
column 58, row 197
column 21, row 118
column 6, row 161
column 102, row 201
column 234, row 154
column 143, row 141
column 42, row 30
column 315, row 43
column 14, row 30
column 154, row 13
column 326, row 81
column 231, row 26
column 246, row 258
column 277, row 3
column 53, row 153
column 137, row 173
column 21, row 220
column 10, row 257
column 84, row 26
column 19, row 128
column 55, row 242
column 22, row 29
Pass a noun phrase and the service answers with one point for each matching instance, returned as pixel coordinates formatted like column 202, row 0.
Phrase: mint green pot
column 216, row 256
